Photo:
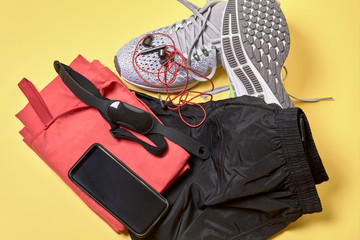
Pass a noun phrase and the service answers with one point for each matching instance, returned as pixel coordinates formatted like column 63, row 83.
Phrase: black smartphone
column 119, row 190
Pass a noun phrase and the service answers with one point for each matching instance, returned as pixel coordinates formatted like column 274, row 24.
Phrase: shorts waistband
column 302, row 158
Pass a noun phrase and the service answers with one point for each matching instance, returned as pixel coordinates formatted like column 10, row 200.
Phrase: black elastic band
column 158, row 140
column 188, row 143
column 123, row 114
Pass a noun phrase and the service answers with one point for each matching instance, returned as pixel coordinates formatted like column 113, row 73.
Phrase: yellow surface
column 323, row 61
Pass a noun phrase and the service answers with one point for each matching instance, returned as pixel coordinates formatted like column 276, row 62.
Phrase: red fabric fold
column 72, row 127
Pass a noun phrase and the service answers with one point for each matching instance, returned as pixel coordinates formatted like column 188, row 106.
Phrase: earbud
column 162, row 53
column 148, row 41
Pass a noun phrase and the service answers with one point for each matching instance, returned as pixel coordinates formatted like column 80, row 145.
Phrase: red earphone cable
column 172, row 67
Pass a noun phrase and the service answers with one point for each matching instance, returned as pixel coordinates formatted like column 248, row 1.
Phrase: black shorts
column 260, row 177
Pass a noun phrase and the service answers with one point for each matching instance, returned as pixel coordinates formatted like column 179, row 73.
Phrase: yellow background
column 323, row 61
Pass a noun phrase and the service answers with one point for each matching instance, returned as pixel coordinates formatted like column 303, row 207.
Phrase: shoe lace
column 303, row 99
column 190, row 33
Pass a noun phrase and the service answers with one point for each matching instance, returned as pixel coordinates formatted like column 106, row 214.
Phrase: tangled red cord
column 172, row 67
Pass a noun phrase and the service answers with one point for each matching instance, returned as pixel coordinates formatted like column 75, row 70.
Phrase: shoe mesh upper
column 151, row 62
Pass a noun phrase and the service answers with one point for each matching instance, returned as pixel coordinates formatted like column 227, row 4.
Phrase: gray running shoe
column 255, row 43
column 197, row 38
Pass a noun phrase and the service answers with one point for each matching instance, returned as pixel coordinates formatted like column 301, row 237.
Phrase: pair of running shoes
column 248, row 38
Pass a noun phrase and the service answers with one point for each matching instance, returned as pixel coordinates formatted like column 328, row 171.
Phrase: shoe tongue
column 217, row 14
column 215, row 19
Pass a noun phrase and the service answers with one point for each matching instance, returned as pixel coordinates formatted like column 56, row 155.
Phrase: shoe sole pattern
column 255, row 43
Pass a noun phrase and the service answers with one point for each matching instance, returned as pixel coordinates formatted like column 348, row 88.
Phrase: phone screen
column 120, row 191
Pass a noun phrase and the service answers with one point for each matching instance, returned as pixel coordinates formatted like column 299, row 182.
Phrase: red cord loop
column 172, row 67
